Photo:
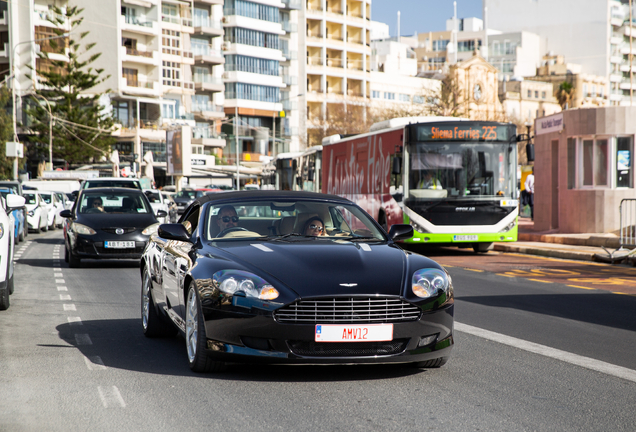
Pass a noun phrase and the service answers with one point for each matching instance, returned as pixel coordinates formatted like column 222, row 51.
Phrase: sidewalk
column 580, row 247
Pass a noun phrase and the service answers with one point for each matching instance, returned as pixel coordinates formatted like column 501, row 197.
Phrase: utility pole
column 236, row 141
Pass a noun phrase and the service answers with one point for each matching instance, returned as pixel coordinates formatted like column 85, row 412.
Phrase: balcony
column 42, row 18
column 334, row 62
column 180, row 21
column 208, row 27
column 207, row 54
column 140, row 87
column 290, row 27
column 209, row 2
column 206, row 136
column 289, row 55
column 314, row 61
column 207, row 111
column 133, row 24
column 290, row 79
column 208, row 83
column 139, row 56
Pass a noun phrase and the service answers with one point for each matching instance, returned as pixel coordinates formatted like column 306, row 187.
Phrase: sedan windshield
column 46, row 198
column 273, row 220
column 189, row 194
column 30, row 198
column 117, row 202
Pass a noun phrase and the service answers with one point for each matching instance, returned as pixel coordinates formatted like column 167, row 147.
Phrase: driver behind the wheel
column 227, row 218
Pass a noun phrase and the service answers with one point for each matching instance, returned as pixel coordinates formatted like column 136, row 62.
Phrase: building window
column 624, row 155
column 466, row 46
column 595, row 160
column 418, row 99
column 251, row 37
column 251, row 10
column 253, row 92
column 158, row 150
column 543, row 95
column 571, row 163
column 171, row 74
column 375, row 94
column 405, row 98
column 536, row 94
column 529, row 93
column 389, row 96
column 584, row 90
column 171, row 42
column 495, row 48
column 251, row 64
column 440, row 45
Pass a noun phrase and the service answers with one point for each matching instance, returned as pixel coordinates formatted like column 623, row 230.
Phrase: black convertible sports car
column 108, row 223
column 293, row 277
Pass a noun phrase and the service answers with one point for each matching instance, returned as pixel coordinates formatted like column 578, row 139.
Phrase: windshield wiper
column 283, row 236
column 356, row 238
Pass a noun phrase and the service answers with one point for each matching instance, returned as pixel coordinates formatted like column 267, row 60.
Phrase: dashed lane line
column 111, row 397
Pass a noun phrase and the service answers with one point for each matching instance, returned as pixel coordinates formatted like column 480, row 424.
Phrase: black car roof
column 269, row 194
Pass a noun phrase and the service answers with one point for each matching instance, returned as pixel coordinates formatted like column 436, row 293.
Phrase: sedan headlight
column 234, row 281
column 429, row 282
column 150, row 230
column 1, row 230
column 82, row 229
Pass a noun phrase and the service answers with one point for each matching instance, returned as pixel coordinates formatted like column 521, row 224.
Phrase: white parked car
column 37, row 211
column 7, row 246
column 157, row 203
column 55, row 206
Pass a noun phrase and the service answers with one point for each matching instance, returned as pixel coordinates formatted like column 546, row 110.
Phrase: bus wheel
column 482, row 247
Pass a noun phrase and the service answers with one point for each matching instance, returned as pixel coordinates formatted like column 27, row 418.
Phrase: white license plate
column 354, row 333
column 119, row 244
column 465, row 238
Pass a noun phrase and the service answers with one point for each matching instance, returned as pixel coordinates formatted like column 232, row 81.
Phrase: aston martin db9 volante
column 108, row 223
column 293, row 277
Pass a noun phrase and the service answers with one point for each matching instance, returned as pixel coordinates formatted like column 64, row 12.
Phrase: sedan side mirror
column 66, row 214
column 14, row 202
column 174, row 231
column 400, row 232
column 161, row 213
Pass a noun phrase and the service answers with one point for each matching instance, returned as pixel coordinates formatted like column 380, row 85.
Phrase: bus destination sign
column 471, row 131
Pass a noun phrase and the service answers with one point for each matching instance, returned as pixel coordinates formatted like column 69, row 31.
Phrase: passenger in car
column 314, row 227
column 98, row 205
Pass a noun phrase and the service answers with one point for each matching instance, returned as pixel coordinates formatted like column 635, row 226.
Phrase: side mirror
column 397, row 166
column 530, row 152
column 14, row 202
column 400, row 232
column 161, row 213
column 66, row 214
column 174, row 231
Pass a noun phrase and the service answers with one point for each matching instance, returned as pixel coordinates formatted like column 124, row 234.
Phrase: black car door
column 176, row 263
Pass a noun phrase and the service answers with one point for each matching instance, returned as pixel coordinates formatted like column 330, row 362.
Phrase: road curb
column 546, row 252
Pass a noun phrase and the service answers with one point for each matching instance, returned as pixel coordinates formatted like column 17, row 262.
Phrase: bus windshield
column 460, row 170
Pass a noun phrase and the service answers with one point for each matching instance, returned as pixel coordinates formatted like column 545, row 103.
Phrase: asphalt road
column 530, row 355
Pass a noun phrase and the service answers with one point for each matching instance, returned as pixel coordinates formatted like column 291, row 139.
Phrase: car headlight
column 233, row 281
column 1, row 230
column 82, row 229
column 150, row 230
column 429, row 282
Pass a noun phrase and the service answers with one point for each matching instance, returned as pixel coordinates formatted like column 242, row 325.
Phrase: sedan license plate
column 119, row 244
column 354, row 333
column 465, row 238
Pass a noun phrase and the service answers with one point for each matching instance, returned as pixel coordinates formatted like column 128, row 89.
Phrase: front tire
column 73, row 261
column 65, row 254
column 195, row 335
column 4, row 294
column 482, row 247
column 151, row 322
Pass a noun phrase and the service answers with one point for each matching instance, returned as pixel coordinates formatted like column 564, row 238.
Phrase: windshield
column 111, row 183
column 275, row 220
column 30, row 198
column 46, row 198
column 153, row 197
column 460, row 170
column 189, row 194
column 118, row 202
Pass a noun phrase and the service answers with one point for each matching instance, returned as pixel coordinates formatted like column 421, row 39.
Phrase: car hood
column 324, row 267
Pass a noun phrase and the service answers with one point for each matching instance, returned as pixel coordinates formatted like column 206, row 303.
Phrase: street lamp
column 15, row 73
column 50, row 129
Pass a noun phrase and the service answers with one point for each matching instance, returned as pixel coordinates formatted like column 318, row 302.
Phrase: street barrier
column 627, row 214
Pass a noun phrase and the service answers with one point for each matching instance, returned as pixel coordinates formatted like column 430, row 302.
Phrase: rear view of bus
column 459, row 183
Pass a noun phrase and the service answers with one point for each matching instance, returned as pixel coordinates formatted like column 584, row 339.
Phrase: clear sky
column 422, row 15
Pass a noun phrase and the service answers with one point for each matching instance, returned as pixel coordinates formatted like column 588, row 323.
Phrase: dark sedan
column 108, row 223
column 185, row 197
column 293, row 277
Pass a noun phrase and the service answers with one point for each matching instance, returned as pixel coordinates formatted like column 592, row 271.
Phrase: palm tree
column 565, row 94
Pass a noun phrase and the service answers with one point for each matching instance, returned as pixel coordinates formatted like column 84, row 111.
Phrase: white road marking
column 69, row 307
column 59, row 281
column 111, row 397
column 58, row 275
column 58, row 269
column 74, row 320
column 94, row 363
column 83, row 339
column 585, row 362
column 62, row 288
column 64, row 297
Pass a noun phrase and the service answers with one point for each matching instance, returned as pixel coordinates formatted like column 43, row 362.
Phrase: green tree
column 66, row 86
column 6, row 134
column 565, row 94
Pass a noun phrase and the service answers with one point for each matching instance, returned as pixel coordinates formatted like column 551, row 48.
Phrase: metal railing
column 132, row 19
column 628, row 223
column 136, row 52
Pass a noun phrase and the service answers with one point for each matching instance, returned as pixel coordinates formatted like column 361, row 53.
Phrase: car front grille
column 347, row 349
column 348, row 310
column 127, row 230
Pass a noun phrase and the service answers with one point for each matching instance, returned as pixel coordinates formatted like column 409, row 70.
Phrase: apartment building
column 163, row 61
column 253, row 52
column 526, row 100
column 337, row 69
column 593, row 33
